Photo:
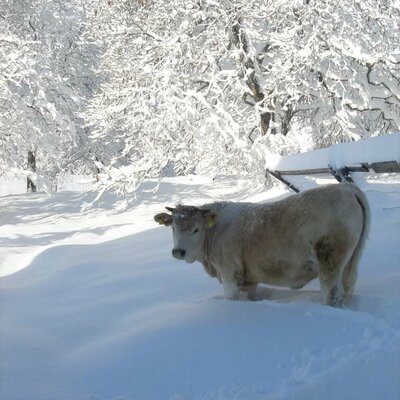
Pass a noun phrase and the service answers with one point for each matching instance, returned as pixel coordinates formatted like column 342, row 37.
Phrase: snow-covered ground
column 92, row 306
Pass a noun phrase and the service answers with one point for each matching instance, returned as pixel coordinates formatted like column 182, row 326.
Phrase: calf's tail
column 351, row 270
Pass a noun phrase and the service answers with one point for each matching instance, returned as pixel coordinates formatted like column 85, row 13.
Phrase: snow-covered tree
column 198, row 84
column 46, row 64
column 192, row 85
column 329, row 70
column 163, row 102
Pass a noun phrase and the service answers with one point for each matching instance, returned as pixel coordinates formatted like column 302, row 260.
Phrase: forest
column 131, row 89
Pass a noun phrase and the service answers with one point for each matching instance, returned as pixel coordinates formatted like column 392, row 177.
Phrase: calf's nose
column 178, row 253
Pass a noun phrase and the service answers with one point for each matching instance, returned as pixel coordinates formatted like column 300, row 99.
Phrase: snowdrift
column 107, row 313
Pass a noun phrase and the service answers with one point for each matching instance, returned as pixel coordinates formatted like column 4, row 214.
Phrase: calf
column 317, row 233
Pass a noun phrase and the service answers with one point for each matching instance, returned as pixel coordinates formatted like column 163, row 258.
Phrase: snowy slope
column 102, row 311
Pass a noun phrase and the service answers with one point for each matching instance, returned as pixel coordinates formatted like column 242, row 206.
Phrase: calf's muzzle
column 178, row 253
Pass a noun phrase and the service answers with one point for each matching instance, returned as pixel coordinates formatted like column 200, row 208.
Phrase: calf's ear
column 211, row 218
column 164, row 219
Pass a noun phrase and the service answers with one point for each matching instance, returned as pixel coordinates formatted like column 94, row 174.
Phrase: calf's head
column 189, row 226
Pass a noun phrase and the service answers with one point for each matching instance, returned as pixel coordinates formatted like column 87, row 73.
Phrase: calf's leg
column 333, row 256
column 332, row 292
column 231, row 288
column 251, row 291
column 350, row 276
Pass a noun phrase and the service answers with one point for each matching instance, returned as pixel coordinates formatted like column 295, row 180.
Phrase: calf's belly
column 285, row 274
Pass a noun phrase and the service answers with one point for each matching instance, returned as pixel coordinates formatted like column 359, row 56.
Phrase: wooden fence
column 379, row 155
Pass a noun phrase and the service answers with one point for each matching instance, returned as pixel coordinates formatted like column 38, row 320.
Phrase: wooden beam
column 378, row 167
column 317, row 171
column 386, row 166
column 305, row 171
column 341, row 175
column 362, row 168
column 280, row 178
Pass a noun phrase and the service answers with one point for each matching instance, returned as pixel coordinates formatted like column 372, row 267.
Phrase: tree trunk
column 242, row 41
column 31, row 187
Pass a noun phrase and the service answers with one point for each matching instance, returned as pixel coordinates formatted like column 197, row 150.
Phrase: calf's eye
column 195, row 231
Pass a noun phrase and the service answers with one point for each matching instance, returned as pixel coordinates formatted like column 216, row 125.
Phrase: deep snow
column 94, row 307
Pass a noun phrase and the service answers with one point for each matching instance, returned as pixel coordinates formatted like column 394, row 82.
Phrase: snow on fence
column 379, row 154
